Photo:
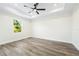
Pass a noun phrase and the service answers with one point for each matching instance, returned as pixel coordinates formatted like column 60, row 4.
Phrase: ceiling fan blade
column 36, row 4
column 30, row 11
column 28, row 7
column 41, row 9
column 37, row 12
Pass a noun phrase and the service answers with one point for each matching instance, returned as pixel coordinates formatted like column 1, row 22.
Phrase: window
column 17, row 26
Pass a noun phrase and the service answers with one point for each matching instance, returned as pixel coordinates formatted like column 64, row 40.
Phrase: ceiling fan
column 35, row 8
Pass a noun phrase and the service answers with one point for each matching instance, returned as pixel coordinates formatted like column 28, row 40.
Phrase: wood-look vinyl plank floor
column 38, row 47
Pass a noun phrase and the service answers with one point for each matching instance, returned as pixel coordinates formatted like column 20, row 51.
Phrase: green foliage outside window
column 17, row 26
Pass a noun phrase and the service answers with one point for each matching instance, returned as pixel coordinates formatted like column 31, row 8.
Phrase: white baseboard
column 55, row 40
column 9, row 41
column 76, row 46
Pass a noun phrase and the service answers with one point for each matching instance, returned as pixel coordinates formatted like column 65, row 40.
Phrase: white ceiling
column 51, row 8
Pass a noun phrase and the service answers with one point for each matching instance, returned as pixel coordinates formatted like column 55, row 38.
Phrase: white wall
column 63, row 28
column 6, row 29
column 75, row 28
column 53, row 28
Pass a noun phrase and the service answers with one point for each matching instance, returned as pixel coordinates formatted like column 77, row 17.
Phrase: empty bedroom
column 39, row 29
